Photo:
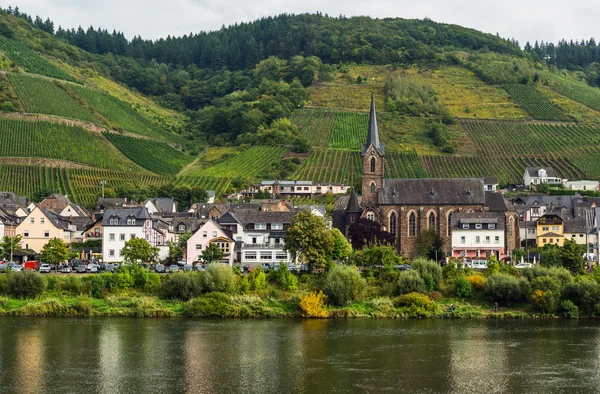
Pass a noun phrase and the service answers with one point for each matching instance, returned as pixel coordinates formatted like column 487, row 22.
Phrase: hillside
column 223, row 109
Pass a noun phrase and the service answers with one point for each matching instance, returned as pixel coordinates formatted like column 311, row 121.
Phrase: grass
column 350, row 97
column 571, row 108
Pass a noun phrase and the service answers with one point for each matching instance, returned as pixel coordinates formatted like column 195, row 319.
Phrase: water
column 297, row 356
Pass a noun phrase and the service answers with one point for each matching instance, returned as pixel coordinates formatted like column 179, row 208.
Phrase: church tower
column 373, row 161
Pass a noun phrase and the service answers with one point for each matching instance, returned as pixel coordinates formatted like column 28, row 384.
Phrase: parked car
column 292, row 268
column 523, row 265
column 199, row 267
column 403, row 267
column 266, row 267
column 10, row 264
column 159, row 268
column 81, row 269
column 173, row 268
column 109, row 268
column 479, row 264
column 93, row 268
column 45, row 268
column 304, row 268
column 188, row 267
column 3, row 266
column 17, row 268
column 66, row 269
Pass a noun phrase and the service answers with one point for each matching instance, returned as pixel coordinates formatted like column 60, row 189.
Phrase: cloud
column 548, row 20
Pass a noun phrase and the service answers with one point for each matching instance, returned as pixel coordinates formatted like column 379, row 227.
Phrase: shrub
column 220, row 278
column 51, row 283
column 284, row 278
column 244, row 285
column 584, row 293
column 416, row 305
column 424, row 267
column 462, row 287
column 247, row 306
column 97, row 286
column 83, row 305
column 153, row 284
column 382, row 306
column 124, row 279
column 547, row 284
column 257, row 279
column 343, row 284
column 449, row 271
column 569, row 310
column 410, row 282
column 25, row 284
column 182, row 286
column 313, row 305
column 544, row 301
column 503, row 288
column 71, row 284
column 209, row 305
column 561, row 274
column 477, row 282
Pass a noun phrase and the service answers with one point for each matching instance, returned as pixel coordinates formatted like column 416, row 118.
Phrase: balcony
column 273, row 246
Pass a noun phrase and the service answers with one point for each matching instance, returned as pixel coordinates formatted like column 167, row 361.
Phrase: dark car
column 81, row 269
column 188, row 267
column 109, row 268
column 173, row 268
column 159, row 268
column 403, row 267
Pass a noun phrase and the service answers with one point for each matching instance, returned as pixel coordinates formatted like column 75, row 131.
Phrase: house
column 208, row 211
column 160, row 205
column 114, row 203
column 210, row 194
column 8, row 223
column 582, row 185
column 94, row 229
column 490, row 184
column 295, row 188
column 73, row 210
column 537, row 175
column 11, row 201
column 207, row 234
column 121, row 225
column 317, row 210
column 42, row 225
column 478, row 234
column 550, row 229
column 55, row 203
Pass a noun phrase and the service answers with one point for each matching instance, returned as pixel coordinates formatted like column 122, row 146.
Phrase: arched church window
column 372, row 164
column 372, row 187
column 412, row 225
column 393, row 223
column 431, row 220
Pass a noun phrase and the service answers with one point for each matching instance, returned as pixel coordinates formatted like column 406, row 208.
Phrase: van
column 30, row 266
column 479, row 264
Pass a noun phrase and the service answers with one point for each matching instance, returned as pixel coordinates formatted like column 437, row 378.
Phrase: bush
column 503, row 288
column 449, row 271
column 313, row 305
column 182, row 286
column 544, row 301
column 97, row 286
column 83, row 305
column 3, row 289
column 569, row 310
column 462, row 287
column 410, row 282
column 284, row 278
column 477, row 282
column 416, row 305
column 209, row 305
column 257, row 279
column 584, row 293
column 547, row 284
column 25, row 284
column 423, row 266
column 51, row 283
column 153, row 284
column 220, row 278
column 343, row 284
column 71, row 284
column 561, row 274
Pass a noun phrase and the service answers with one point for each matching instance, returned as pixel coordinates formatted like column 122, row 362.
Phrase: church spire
column 373, row 132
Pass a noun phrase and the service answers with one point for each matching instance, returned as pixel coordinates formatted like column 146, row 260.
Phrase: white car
column 45, row 268
column 523, row 265
column 17, row 268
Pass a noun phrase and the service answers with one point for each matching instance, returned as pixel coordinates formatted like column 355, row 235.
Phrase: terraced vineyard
column 577, row 91
column 153, row 155
column 404, row 165
column 535, row 103
column 42, row 96
column 331, row 166
column 247, row 163
column 30, row 61
column 314, row 124
column 335, row 130
column 118, row 113
column 29, row 138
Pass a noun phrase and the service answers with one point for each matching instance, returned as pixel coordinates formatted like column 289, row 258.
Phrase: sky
column 524, row 20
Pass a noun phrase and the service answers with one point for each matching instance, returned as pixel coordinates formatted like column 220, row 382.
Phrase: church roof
column 459, row 191
column 373, row 133
column 353, row 205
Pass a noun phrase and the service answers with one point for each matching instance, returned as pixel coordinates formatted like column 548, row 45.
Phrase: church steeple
column 373, row 131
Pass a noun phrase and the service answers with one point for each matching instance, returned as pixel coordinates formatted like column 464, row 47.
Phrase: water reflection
column 297, row 356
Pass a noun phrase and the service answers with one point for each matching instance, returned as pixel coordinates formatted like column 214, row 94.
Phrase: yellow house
column 40, row 226
column 550, row 230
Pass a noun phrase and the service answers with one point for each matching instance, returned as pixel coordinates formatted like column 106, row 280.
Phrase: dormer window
column 432, row 193
column 478, row 226
column 465, row 226
column 113, row 221
column 182, row 227
column 491, row 226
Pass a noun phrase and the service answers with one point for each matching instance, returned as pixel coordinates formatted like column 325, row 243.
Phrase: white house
column 537, row 175
column 490, row 184
column 582, row 185
column 72, row 210
column 160, row 205
column 478, row 234
column 121, row 225
column 210, row 233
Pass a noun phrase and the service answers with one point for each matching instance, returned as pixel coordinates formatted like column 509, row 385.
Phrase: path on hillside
column 45, row 162
column 187, row 167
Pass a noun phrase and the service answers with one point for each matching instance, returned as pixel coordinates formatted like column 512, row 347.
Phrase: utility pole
column 103, row 183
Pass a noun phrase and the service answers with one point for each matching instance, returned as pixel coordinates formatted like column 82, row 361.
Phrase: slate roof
column 373, row 131
column 114, row 203
column 191, row 224
column 310, row 207
column 533, row 171
column 434, row 191
column 264, row 217
column 575, row 226
column 162, row 204
column 550, row 235
column 8, row 218
column 81, row 223
column 10, row 199
column 496, row 202
column 353, row 205
column 57, row 221
column 489, row 180
column 141, row 214
column 477, row 217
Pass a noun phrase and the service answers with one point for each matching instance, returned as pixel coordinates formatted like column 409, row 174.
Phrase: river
column 123, row 355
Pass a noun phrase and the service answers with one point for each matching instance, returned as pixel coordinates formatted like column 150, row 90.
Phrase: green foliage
column 25, row 284
column 385, row 255
column 544, row 301
column 71, row 284
column 343, row 285
column 54, row 252
column 309, row 239
column 409, row 97
column 219, row 277
column 257, row 278
column 429, row 269
column 284, row 278
column 209, row 305
column 462, row 287
column 416, row 305
column 429, row 244
column 410, row 282
column 212, row 254
column 503, row 288
column 576, row 90
column 572, row 255
column 9, row 244
column 535, row 103
column 569, row 310
column 563, row 276
column 341, row 247
column 449, row 271
column 138, row 249
column 153, row 155
column 183, row 286
column 583, row 293
column 42, row 96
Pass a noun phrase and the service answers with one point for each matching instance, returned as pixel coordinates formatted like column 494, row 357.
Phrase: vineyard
column 219, row 185
column 535, row 103
column 42, row 96
column 30, row 61
column 155, row 156
column 577, row 91
column 335, row 130
column 24, row 138
column 247, row 163
column 119, row 113
column 331, row 166
column 316, row 125
column 404, row 165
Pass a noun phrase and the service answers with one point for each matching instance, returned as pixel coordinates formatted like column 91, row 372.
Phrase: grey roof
column 464, row 191
column 247, row 217
column 489, row 180
column 533, row 171
column 373, row 132
column 10, row 199
column 210, row 193
column 550, row 235
column 57, row 221
column 575, row 226
column 191, row 224
column 162, row 204
column 8, row 218
column 228, row 218
column 556, row 201
column 140, row 214
column 81, row 223
column 459, row 218
column 310, row 207
column 353, row 205
column 497, row 202
column 114, row 203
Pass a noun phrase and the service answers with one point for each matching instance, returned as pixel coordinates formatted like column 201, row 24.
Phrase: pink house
column 210, row 233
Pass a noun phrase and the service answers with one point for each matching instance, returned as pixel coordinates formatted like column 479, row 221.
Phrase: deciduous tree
column 138, row 249
column 309, row 240
column 55, row 252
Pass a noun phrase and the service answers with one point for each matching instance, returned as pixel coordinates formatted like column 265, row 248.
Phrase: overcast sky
column 548, row 20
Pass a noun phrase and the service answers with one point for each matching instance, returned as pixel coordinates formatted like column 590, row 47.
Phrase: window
column 32, row 220
column 122, row 237
column 554, row 228
column 530, row 231
column 477, row 239
column 545, row 228
column 277, row 226
column 281, row 256
column 465, row 226
column 449, row 224
column 182, row 227
column 463, row 240
column 131, row 236
column 214, row 234
column 431, row 220
column 111, row 253
column 491, row 226
column 266, row 255
column 46, row 234
column 372, row 164
column 111, row 237
column 250, row 255
column 487, row 239
column 260, row 226
column 544, row 240
column 204, row 234
column 277, row 241
column 393, row 223
column 496, row 239
column 372, row 187
column 478, row 226
column 371, row 216
column 412, row 225
column 510, row 227
column 41, row 220
column 551, row 240
column 26, row 233
column 305, row 187
column 253, row 240
column 198, row 247
column 580, row 235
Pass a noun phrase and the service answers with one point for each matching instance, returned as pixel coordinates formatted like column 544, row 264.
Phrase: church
column 406, row 207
